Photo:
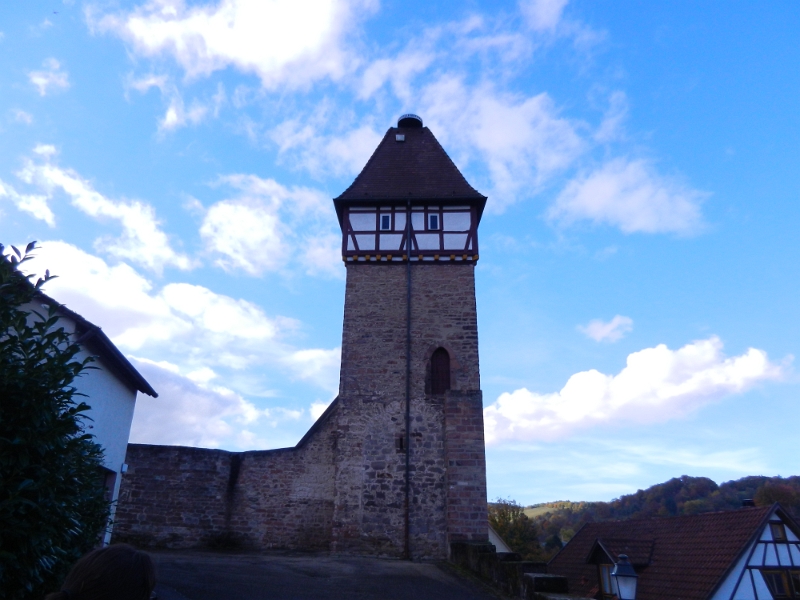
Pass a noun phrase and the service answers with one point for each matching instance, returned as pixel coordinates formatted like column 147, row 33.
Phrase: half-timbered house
column 745, row 554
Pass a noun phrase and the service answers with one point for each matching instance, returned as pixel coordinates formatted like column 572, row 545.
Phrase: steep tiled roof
column 688, row 556
column 417, row 168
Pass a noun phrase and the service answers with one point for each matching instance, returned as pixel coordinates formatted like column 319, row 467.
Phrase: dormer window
column 386, row 222
column 433, row 222
column 778, row 531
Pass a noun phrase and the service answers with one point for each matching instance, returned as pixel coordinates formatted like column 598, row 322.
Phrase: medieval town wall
column 179, row 497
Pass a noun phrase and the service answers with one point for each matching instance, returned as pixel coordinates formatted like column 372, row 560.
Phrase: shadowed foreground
column 209, row 576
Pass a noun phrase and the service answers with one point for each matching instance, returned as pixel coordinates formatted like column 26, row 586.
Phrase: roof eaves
column 577, row 533
column 95, row 336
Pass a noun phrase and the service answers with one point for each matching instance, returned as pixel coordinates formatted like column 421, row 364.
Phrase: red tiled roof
column 417, row 168
column 639, row 552
column 689, row 555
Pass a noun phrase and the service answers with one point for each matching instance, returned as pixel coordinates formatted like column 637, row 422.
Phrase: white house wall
column 112, row 403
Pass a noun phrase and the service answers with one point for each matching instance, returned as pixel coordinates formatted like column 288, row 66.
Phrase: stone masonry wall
column 369, row 505
column 179, row 497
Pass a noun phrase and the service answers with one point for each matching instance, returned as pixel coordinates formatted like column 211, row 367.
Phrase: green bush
column 52, row 499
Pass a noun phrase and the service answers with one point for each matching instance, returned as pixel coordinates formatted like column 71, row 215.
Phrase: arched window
column 440, row 371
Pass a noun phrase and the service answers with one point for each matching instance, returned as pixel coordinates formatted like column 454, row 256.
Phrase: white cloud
column 656, row 385
column 45, row 150
column 283, row 42
column 142, row 241
column 398, row 71
column 316, row 365
column 322, row 152
column 632, row 196
column 185, row 413
column 188, row 412
column 610, row 127
column 191, row 326
column 144, row 83
column 612, row 331
column 247, row 233
column 266, row 226
column 178, row 113
column 193, row 339
column 33, row 204
column 317, row 408
column 20, row 116
column 543, row 14
column 522, row 140
column 50, row 79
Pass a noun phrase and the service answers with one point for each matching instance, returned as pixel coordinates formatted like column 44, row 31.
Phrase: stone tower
column 395, row 466
column 410, row 464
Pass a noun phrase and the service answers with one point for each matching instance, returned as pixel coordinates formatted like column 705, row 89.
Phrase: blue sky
column 638, row 283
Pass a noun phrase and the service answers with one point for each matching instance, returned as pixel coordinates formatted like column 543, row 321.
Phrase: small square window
column 433, row 222
column 386, row 222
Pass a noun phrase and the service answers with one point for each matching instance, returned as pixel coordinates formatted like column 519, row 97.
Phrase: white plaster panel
column 399, row 221
column 350, row 244
column 791, row 536
column 418, row 221
column 363, row 222
column 390, row 241
column 795, row 554
column 455, row 241
column 456, row 221
column 745, row 591
column 771, row 557
column 761, row 585
column 758, row 556
column 766, row 534
column 783, row 555
column 428, row 241
column 366, row 242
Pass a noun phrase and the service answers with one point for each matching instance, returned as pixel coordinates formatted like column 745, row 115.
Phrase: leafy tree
column 52, row 500
column 770, row 492
column 516, row 528
column 679, row 496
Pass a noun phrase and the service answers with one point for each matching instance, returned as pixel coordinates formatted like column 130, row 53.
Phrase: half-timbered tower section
column 396, row 464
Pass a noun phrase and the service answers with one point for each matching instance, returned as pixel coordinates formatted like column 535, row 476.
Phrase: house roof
column 678, row 558
column 93, row 338
column 417, row 168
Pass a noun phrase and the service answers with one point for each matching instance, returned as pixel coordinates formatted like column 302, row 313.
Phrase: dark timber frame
column 351, row 250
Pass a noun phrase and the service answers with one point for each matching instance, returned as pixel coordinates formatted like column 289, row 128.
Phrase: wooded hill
column 557, row 522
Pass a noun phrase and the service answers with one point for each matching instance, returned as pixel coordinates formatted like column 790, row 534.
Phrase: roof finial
column 409, row 120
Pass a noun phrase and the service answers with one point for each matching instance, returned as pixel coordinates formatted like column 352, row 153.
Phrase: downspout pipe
column 407, row 544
